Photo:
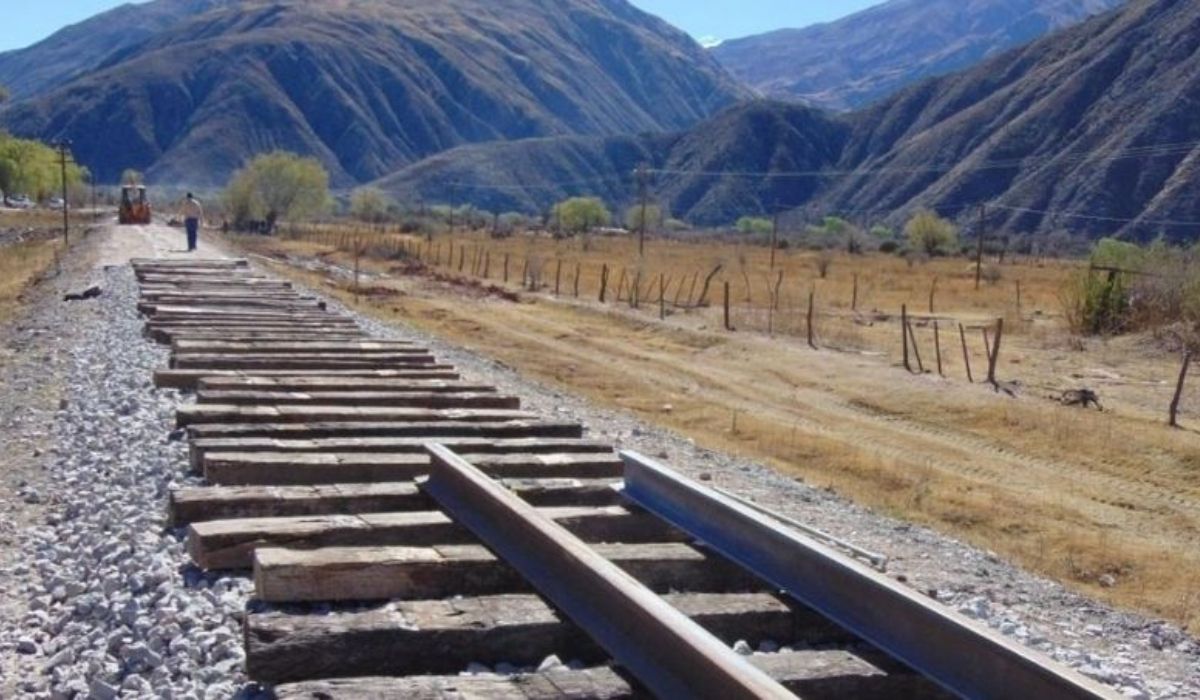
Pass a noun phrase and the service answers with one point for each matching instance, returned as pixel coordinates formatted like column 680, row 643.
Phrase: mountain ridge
column 368, row 86
column 853, row 61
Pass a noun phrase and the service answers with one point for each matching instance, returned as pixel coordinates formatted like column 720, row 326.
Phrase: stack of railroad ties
column 404, row 525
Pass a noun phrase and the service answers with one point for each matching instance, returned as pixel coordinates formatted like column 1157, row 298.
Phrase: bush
column 889, row 247
column 755, row 225
column 278, row 185
column 581, row 214
column 930, row 233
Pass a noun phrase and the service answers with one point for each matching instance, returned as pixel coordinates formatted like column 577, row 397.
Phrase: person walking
column 193, row 214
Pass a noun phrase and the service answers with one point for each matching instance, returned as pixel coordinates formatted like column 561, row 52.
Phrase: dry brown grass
column 1072, row 494
column 27, row 252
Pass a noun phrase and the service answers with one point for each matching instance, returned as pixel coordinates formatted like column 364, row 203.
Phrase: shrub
column 755, row 225
column 930, row 233
column 889, row 247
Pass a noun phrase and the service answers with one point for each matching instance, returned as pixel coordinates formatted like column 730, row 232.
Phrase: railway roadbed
column 116, row 601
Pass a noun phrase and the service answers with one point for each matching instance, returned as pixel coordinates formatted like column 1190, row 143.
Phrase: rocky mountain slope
column 367, row 86
column 869, row 55
column 1092, row 129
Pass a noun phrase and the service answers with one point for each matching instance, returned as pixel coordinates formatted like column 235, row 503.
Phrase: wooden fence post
column 728, row 326
column 962, row 332
column 1183, row 372
column 932, row 294
column 603, row 282
column 578, row 266
column 916, row 349
column 937, row 346
column 1018, row 299
column 994, row 355
column 904, row 335
column 487, row 264
column 557, row 276
column 506, row 268
column 812, row 306
column 662, row 299
column 854, row 295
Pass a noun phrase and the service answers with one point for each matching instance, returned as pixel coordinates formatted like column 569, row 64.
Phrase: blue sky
column 30, row 22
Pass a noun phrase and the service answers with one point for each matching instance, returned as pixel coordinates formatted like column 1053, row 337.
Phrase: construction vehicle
column 135, row 208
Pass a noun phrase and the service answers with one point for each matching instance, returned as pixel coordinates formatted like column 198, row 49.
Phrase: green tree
column 31, row 167
column 278, row 185
column 930, row 233
column 633, row 217
column 370, row 204
column 755, row 225
column 132, row 177
column 581, row 214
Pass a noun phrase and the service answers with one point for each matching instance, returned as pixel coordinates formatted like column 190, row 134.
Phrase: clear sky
column 28, row 21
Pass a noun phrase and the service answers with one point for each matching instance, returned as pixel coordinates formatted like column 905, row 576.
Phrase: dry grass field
column 29, row 244
column 1108, row 502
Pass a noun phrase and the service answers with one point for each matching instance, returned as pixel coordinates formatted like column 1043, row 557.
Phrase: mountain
column 74, row 50
column 1093, row 129
column 367, row 86
column 861, row 58
column 697, row 172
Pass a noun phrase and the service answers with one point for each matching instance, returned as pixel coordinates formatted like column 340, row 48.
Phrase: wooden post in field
column 728, row 325
column 812, row 308
column 932, row 294
column 904, row 335
column 854, row 295
column 578, row 267
column 679, row 290
column 662, row 298
column 937, row 346
column 603, row 282
column 621, row 287
column 1183, row 372
column 437, row 255
column 557, row 276
column 487, row 264
column 1018, row 299
column 692, row 288
column 916, row 349
column 962, row 332
column 462, row 256
column 635, row 294
column 994, row 354
column 525, row 276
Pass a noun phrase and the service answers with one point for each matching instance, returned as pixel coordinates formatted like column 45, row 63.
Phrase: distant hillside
column 367, row 86
column 854, row 61
column 76, row 49
column 1073, row 125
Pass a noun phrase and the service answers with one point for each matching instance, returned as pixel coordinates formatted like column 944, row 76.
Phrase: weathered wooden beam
column 600, row 683
column 329, row 385
column 211, row 413
column 415, row 573
column 510, row 429
column 820, row 675
column 444, row 636
column 315, row 346
column 190, row 378
column 294, row 453
column 205, row 503
column 315, row 361
column 311, row 469
column 230, row 544
column 411, row 399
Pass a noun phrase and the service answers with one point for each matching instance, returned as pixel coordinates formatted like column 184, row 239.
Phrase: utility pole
column 453, row 203
column 979, row 252
column 641, row 175
column 63, row 147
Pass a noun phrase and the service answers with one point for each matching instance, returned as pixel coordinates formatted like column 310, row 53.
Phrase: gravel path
column 99, row 599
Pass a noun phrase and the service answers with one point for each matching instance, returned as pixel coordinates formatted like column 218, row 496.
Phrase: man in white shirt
column 193, row 214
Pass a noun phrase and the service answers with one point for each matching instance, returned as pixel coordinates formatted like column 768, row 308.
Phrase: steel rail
column 963, row 657
column 670, row 654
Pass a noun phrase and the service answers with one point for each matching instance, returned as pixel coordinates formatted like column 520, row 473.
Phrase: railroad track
column 404, row 526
